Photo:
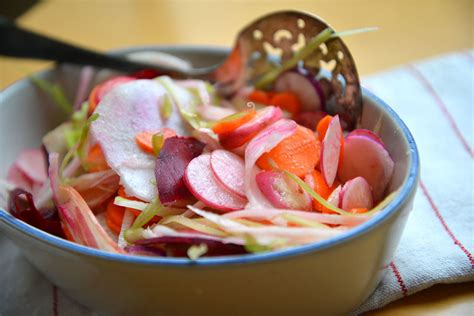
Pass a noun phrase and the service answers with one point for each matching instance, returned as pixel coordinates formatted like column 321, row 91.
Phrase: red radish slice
column 19, row 179
column 367, row 158
column 330, row 150
column 282, row 192
column 246, row 132
column 367, row 133
column 334, row 197
column 32, row 162
column 306, row 88
column 229, row 170
column 204, row 186
column 265, row 141
column 356, row 194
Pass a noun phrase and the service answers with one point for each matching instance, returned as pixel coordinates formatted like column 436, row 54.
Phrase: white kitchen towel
column 435, row 99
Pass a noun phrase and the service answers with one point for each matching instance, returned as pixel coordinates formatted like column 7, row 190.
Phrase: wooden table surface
column 409, row 30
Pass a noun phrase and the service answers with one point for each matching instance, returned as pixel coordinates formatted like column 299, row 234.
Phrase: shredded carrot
column 287, row 101
column 359, row 210
column 298, row 154
column 114, row 216
column 259, row 96
column 232, row 122
column 144, row 139
column 95, row 159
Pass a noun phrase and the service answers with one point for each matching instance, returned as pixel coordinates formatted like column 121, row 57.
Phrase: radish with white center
column 330, row 150
column 305, row 86
column 282, row 192
column 202, row 183
column 247, row 131
column 367, row 158
column 334, row 197
column 229, row 170
column 356, row 194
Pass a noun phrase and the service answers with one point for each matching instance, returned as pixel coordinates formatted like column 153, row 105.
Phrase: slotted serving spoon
column 260, row 49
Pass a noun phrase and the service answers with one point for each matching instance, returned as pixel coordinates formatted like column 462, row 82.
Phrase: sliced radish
column 330, row 150
column 32, row 162
column 247, row 131
column 229, row 170
column 127, row 110
column 367, row 133
column 364, row 157
column 282, row 192
column 334, row 197
column 305, row 86
column 176, row 154
column 202, row 183
column 356, row 194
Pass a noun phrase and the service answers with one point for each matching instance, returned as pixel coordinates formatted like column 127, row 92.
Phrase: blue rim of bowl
column 407, row 188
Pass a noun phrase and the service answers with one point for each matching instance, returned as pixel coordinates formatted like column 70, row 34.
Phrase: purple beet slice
column 170, row 166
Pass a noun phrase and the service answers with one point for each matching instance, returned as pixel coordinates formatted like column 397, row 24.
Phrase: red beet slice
column 170, row 167
column 356, row 194
column 330, row 150
column 364, row 157
column 229, row 170
column 201, row 181
column 21, row 206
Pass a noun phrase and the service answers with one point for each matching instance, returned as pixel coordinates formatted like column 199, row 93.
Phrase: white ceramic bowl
column 327, row 278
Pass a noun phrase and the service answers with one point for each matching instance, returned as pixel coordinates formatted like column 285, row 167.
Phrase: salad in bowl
column 165, row 167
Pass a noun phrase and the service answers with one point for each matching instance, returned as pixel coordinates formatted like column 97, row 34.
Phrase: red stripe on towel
column 55, row 301
column 445, row 226
column 399, row 278
column 442, row 106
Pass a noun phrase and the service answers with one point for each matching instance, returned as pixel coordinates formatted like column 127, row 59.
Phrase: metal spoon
column 261, row 46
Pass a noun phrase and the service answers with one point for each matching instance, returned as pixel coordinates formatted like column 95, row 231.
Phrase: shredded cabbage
column 56, row 93
column 193, row 224
column 196, row 251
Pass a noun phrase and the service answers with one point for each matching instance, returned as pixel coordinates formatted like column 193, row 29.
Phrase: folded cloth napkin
column 435, row 99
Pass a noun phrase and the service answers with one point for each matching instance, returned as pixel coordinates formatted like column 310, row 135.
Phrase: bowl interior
column 27, row 113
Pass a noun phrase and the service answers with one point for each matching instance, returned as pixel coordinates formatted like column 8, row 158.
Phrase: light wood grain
column 409, row 30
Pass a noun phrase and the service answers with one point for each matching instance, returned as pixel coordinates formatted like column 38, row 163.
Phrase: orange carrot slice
column 359, row 210
column 298, row 154
column 287, row 101
column 114, row 216
column 259, row 96
column 144, row 139
column 95, row 159
column 323, row 126
column 323, row 190
column 232, row 122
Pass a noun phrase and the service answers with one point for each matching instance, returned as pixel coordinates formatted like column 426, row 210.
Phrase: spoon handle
column 21, row 43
